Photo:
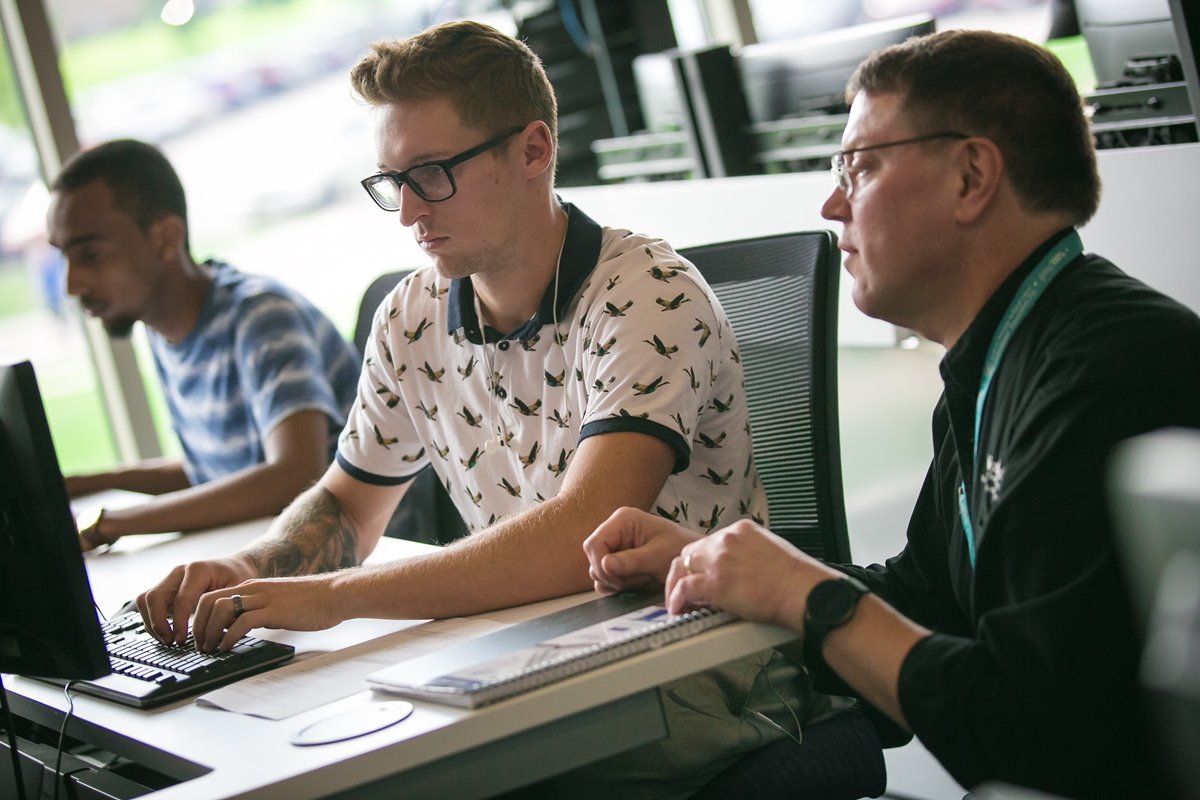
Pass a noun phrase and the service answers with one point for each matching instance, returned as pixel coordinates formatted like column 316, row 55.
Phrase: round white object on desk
column 352, row 723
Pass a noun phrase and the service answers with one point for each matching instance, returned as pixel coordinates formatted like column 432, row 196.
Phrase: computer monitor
column 808, row 75
column 1117, row 31
column 48, row 623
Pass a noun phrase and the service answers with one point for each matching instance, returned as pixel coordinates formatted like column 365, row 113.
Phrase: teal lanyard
column 1031, row 289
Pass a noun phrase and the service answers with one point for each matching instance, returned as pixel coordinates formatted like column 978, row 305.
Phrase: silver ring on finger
column 239, row 607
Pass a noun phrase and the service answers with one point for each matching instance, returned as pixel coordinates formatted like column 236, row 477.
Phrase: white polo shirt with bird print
column 638, row 342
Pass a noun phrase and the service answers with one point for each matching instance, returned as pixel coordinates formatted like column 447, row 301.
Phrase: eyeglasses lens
column 385, row 192
column 432, row 182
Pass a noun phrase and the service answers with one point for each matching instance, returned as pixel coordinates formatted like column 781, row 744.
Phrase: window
column 37, row 322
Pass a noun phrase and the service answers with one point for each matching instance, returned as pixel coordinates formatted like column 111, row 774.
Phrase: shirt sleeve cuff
column 683, row 453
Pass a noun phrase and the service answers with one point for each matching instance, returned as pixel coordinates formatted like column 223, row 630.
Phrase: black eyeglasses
column 841, row 175
column 432, row 181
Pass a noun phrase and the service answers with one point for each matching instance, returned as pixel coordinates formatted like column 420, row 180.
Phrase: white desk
column 438, row 751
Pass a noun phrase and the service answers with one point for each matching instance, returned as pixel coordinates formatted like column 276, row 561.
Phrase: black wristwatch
column 830, row 605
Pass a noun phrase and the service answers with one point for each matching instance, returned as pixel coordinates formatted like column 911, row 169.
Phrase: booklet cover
column 551, row 660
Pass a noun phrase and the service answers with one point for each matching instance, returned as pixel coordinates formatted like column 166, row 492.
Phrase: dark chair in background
column 1155, row 500
column 781, row 296
column 426, row 513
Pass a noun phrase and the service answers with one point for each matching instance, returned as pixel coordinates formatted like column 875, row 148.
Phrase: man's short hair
column 492, row 80
column 142, row 180
column 1007, row 89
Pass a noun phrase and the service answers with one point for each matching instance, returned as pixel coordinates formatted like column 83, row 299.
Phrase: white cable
column 496, row 436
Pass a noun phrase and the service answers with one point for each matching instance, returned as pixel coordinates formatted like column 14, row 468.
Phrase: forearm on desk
column 535, row 555
column 259, row 491
column 518, row 562
column 148, row 477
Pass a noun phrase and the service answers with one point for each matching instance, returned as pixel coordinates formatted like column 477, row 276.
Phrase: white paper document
column 315, row 681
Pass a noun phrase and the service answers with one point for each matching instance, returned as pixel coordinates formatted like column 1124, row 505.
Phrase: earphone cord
column 562, row 351
column 764, row 670
column 494, row 433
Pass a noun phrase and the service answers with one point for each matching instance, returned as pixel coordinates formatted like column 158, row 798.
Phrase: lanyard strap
column 1027, row 295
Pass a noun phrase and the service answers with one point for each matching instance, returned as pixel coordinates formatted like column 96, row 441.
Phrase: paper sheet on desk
column 320, row 679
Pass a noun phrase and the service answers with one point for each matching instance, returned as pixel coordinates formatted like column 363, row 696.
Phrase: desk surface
column 218, row 754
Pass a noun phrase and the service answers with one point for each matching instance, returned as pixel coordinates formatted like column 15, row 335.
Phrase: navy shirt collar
column 580, row 253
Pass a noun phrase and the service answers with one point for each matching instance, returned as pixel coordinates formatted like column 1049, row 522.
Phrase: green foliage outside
column 11, row 113
column 79, row 423
column 16, row 295
column 151, row 45
column 80, row 431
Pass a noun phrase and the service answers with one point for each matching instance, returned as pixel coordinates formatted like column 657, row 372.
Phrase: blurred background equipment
column 1141, row 97
column 1155, row 488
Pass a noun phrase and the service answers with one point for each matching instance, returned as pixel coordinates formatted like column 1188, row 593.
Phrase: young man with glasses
column 1002, row 635
column 549, row 369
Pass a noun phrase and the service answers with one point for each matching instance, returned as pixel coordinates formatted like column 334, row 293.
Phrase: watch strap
column 815, row 631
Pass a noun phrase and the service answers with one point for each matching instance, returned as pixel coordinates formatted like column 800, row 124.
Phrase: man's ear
column 537, row 148
column 981, row 172
column 167, row 235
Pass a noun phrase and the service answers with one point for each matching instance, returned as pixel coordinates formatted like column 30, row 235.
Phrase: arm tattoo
column 317, row 536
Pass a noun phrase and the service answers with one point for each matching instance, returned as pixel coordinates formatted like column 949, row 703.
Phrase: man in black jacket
column 1002, row 635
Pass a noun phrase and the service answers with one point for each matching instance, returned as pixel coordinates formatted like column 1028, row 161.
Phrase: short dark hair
column 142, row 180
column 1010, row 90
column 493, row 80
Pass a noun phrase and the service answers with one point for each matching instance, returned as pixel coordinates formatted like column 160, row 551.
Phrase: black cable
column 62, row 734
column 10, row 725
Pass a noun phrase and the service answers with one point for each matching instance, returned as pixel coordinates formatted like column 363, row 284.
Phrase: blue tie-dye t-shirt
column 259, row 353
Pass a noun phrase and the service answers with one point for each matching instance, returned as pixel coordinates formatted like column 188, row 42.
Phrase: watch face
column 832, row 602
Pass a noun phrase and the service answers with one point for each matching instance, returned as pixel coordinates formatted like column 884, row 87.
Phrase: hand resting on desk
column 631, row 549
column 744, row 568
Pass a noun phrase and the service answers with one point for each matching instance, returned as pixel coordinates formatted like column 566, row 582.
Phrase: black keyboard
column 147, row 673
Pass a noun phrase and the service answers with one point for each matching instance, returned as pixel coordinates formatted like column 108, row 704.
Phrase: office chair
column 425, row 513
column 781, row 296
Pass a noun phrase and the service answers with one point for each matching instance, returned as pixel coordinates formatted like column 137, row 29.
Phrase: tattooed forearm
column 316, row 536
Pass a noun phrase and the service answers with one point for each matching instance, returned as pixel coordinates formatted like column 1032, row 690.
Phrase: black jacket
column 1031, row 674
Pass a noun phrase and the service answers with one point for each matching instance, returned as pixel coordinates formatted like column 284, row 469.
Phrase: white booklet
column 550, row 660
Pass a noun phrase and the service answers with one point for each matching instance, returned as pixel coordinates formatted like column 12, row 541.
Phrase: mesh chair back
column 426, row 512
column 374, row 295
column 781, row 296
